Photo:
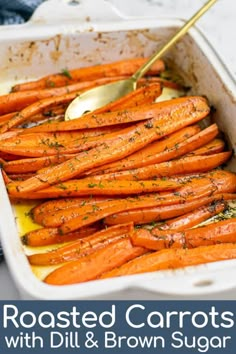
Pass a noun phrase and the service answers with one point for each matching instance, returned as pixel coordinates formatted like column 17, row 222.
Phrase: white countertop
column 218, row 26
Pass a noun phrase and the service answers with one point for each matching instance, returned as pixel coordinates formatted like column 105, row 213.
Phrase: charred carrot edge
column 81, row 247
column 120, row 68
column 163, row 213
column 92, row 266
column 50, row 236
column 142, row 134
column 149, row 155
column 174, row 258
column 20, row 176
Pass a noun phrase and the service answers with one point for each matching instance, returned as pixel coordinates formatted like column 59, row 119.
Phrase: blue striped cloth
column 17, row 11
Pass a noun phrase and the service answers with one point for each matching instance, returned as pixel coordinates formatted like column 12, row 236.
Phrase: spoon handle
column 180, row 33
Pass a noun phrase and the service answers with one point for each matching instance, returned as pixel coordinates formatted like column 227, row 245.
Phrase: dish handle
column 62, row 11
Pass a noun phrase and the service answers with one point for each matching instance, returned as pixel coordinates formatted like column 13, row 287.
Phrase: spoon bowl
column 98, row 97
column 102, row 95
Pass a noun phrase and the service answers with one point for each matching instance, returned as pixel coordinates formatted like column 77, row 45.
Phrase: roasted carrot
column 82, row 247
column 156, row 152
column 166, row 198
column 50, row 236
column 184, row 165
column 156, row 239
column 124, row 67
column 86, row 187
column 33, row 164
column 174, row 258
column 225, row 181
column 139, row 136
column 92, row 266
column 50, row 207
column 58, row 217
column 160, row 213
column 141, row 96
column 172, row 110
column 19, row 100
column 36, row 108
column 196, row 216
column 6, row 116
column 37, row 147
column 217, row 232
column 213, row 147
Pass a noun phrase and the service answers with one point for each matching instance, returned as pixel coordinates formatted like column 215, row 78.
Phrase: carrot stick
column 213, row 147
column 184, row 165
column 36, row 108
column 92, row 266
column 141, row 96
column 120, row 68
column 191, row 192
column 169, row 235
column 84, row 187
column 155, row 153
column 224, row 181
column 45, row 147
column 171, row 109
column 58, row 217
column 50, row 207
column 139, row 136
column 217, row 232
column 157, row 214
column 33, row 164
column 82, row 247
column 6, row 116
column 196, row 216
column 18, row 100
column 50, row 236
column 175, row 258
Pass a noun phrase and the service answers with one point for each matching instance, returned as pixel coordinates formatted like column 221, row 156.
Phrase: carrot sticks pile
column 121, row 190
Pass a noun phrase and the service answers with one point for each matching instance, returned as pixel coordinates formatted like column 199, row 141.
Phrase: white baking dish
column 48, row 44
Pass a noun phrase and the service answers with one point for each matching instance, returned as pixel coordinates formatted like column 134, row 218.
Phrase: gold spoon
column 102, row 95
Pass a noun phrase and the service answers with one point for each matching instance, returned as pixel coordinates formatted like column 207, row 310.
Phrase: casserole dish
column 49, row 44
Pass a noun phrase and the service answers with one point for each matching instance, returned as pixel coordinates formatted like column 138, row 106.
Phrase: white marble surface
column 218, row 26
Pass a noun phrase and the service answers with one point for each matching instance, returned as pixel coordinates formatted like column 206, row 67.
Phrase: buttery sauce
column 26, row 224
